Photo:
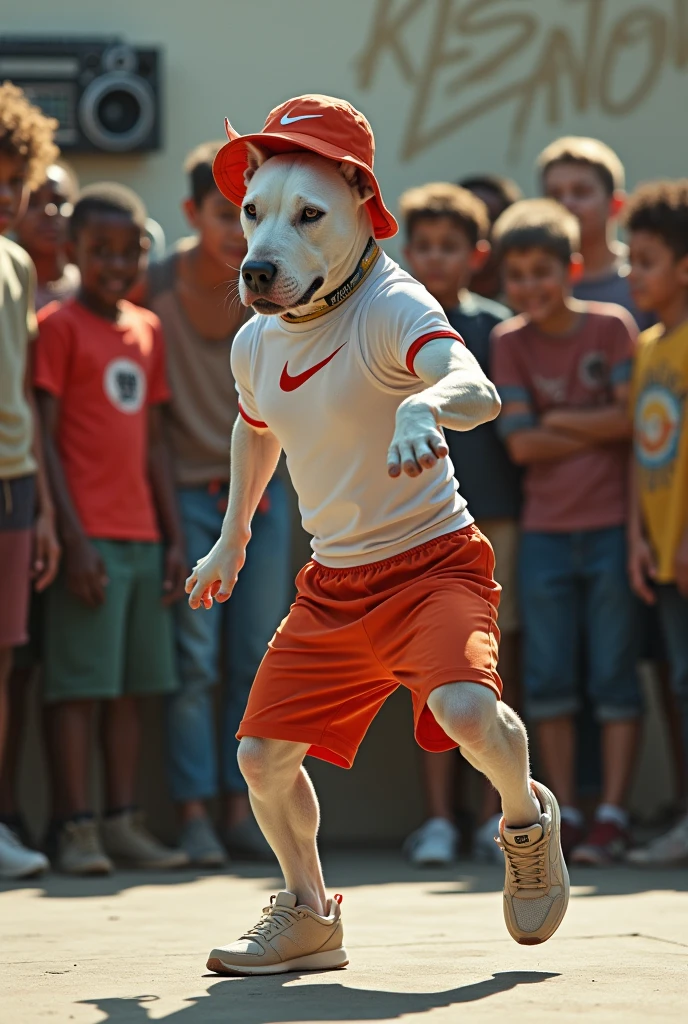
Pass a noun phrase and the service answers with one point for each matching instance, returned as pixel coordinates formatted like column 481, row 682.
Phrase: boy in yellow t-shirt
column 657, row 220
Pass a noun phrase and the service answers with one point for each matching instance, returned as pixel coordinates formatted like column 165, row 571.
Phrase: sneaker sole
column 526, row 940
column 161, row 865
column 87, row 872
column 14, row 876
column 328, row 961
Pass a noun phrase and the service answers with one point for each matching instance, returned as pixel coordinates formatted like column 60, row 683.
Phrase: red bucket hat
column 321, row 124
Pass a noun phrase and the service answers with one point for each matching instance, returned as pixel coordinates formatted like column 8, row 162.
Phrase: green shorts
column 123, row 647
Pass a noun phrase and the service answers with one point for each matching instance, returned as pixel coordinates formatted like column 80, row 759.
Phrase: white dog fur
column 277, row 217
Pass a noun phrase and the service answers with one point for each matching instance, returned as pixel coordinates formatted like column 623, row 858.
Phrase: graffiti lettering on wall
column 479, row 55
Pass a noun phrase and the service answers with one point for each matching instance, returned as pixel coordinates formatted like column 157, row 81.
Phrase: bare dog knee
column 269, row 764
column 466, row 712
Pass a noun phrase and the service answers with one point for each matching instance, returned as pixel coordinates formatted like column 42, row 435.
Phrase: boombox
column 104, row 93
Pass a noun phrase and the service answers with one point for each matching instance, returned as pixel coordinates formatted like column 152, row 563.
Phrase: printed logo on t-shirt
column 593, row 370
column 553, row 388
column 124, row 383
column 657, row 429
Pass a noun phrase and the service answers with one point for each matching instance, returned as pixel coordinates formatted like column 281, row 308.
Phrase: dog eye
column 310, row 213
column 250, row 210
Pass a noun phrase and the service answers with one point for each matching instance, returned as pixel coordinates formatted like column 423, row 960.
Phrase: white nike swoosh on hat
column 285, row 119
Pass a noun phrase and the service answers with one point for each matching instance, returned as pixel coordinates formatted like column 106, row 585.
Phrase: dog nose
column 258, row 276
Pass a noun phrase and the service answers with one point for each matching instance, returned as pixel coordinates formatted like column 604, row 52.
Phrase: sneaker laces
column 272, row 919
column 86, row 835
column 527, row 868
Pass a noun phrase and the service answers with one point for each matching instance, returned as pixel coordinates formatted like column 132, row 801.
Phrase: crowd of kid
column 116, row 408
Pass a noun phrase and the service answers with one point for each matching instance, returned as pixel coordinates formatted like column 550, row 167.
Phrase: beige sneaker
column 536, row 888
column 287, row 938
column 79, row 851
column 129, row 843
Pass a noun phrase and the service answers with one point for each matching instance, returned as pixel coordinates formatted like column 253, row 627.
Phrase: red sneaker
column 571, row 836
column 604, row 844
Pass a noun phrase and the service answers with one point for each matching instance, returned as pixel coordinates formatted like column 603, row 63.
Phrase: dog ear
column 255, row 157
column 355, row 177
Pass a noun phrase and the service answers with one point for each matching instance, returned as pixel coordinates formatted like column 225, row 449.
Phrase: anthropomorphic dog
column 354, row 370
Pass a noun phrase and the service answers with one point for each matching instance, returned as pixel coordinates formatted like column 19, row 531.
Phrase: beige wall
column 450, row 86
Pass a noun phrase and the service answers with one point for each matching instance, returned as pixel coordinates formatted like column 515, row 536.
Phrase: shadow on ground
column 272, row 1000
column 359, row 868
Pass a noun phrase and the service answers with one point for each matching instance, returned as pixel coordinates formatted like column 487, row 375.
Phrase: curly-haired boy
column 28, row 543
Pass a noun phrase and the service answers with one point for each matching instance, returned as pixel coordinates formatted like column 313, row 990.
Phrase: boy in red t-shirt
column 100, row 377
column 562, row 369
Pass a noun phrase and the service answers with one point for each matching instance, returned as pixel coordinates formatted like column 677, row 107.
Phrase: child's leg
column 121, row 739
column 550, row 614
column 557, row 749
column 71, row 728
column 5, row 670
column 619, row 748
column 611, row 628
column 438, row 776
column 673, row 610
column 611, row 631
column 191, row 746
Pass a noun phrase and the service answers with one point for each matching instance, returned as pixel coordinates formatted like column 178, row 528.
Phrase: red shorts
column 421, row 619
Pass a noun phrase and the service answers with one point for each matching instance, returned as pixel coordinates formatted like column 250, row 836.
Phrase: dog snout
column 258, row 276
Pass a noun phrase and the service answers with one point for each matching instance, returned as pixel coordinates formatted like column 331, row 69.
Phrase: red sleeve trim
column 254, row 423
column 423, row 340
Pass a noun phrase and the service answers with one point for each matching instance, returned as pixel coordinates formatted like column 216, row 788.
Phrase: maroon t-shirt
column 588, row 490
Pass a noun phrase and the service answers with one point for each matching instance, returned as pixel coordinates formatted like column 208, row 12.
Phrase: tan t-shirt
column 204, row 404
column 17, row 328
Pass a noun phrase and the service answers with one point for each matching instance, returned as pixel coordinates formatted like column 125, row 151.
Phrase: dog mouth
column 266, row 307
column 269, row 308
column 310, row 292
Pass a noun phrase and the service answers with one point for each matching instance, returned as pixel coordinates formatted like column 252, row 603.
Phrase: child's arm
column 681, row 565
column 86, row 575
column 160, row 475
column 600, row 423
column 535, row 443
column 641, row 563
column 46, row 558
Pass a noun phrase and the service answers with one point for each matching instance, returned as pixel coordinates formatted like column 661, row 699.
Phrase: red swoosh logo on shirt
column 289, row 383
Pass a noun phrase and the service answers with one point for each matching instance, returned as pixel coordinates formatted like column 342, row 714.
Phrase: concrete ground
column 427, row 946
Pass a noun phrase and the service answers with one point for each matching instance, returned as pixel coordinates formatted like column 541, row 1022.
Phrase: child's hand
column 681, row 566
column 46, row 551
column 176, row 569
column 641, row 569
column 86, row 574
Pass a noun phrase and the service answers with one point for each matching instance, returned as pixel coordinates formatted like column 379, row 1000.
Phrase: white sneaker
column 485, row 849
column 665, row 851
column 16, row 861
column 435, row 843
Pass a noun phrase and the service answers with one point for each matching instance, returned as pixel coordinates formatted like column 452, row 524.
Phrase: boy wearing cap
column 400, row 589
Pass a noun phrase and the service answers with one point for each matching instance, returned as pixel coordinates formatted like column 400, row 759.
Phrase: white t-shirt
column 329, row 389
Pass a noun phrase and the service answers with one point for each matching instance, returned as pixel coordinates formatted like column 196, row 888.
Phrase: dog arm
column 254, row 457
column 459, row 395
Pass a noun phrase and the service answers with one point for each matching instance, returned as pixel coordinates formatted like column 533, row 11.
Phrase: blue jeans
column 240, row 630
column 673, row 615
column 575, row 596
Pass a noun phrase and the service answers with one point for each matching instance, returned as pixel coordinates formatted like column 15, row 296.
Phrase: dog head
column 306, row 224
